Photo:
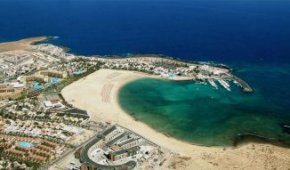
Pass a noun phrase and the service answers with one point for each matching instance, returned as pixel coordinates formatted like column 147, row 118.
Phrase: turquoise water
column 25, row 144
column 199, row 114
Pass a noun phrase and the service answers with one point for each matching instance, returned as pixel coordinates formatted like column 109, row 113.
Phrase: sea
column 250, row 36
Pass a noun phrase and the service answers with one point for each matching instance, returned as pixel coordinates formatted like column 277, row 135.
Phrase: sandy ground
column 97, row 93
column 78, row 139
column 21, row 44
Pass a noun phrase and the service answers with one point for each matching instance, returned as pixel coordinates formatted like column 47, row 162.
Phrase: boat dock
column 224, row 84
column 212, row 83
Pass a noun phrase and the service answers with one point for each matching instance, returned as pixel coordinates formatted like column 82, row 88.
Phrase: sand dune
column 97, row 93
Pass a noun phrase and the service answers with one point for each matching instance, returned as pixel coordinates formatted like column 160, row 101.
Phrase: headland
column 21, row 44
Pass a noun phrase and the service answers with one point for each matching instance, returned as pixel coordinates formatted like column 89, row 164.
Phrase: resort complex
column 60, row 111
column 116, row 148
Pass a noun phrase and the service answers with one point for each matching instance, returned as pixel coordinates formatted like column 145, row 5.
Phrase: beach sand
column 21, row 44
column 97, row 93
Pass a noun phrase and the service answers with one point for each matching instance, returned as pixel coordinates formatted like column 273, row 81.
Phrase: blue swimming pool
column 25, row 144
column 52, row 81
column 78, row 72
column 36, row 86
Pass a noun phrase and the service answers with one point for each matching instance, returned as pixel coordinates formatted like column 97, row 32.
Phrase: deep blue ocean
column 209, row 30
column 251, row 36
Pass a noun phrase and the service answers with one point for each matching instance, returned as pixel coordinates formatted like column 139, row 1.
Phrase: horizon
column 259, row 30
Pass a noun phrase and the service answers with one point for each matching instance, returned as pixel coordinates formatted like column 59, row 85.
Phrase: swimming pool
column 52, row 81
column 78, row 72
column 36, row 86
column 55, row 80
column 24, row 144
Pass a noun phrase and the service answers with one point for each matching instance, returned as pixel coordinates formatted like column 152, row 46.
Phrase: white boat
column 212, row 83
column 224, row 84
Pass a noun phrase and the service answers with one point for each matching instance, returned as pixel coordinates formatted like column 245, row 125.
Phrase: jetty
column 245, row 86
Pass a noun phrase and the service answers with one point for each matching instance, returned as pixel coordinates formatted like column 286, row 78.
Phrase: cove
column 198, row 114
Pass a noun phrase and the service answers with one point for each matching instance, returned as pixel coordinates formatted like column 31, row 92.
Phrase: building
column 36, row 78
column 122, row 136
column 48, row 77
column 53, row 104
column 121, row 154
column 130, row 143
column 110, row 133
column 11, row 90
column 54, row 73
column 86, row 166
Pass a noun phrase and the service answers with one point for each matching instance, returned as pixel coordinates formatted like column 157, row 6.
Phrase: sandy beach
column 21, row 44
column 97, row 93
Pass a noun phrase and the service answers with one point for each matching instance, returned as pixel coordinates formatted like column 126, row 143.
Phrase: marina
column 225, row 83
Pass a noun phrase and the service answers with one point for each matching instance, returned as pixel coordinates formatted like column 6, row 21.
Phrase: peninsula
column 21, row 44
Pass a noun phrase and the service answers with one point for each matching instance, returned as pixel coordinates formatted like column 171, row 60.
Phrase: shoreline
column 239, row 140
column 88, row 93
column 22, row 44
column 97, row 93
column 124, row 118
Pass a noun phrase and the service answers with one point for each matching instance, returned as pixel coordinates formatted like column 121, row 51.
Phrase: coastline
column 22, row 44
column 98, row 94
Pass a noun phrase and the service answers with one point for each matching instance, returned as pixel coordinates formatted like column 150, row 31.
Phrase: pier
column 212, row 83
column 224, row 84
column 245, row 86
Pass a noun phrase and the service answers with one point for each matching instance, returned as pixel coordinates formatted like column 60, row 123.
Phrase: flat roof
column 109, row 130
column 112, row 142
column 133, row 149
column 84, row 158
column 127, row 141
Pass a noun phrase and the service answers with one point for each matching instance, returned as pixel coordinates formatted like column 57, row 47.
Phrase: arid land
column 21, row 44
